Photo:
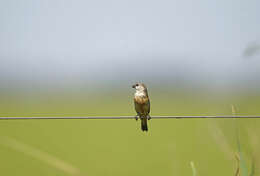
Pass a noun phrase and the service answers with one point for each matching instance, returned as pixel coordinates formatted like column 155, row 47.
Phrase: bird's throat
column 140, row 94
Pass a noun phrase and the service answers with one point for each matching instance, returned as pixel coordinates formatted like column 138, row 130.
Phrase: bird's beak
column 133, row 86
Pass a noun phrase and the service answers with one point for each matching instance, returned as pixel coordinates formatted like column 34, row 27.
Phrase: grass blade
column 194, row 172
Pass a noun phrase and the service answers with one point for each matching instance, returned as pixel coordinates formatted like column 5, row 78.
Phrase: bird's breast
column 141, row 99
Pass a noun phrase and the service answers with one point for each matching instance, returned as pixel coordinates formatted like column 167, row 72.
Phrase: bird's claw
column 149, row 117
column 136, row 118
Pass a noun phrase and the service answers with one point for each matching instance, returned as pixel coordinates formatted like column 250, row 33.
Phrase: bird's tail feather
column 144, row 125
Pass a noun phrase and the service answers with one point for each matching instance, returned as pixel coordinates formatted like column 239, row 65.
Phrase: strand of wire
column 133, row 117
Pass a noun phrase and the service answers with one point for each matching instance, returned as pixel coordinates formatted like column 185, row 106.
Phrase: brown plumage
column 142, row 104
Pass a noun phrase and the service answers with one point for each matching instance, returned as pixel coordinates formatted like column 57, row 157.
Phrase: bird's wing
column 148, row 106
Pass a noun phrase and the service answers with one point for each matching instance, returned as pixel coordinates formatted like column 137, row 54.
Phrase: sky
column 84, row 41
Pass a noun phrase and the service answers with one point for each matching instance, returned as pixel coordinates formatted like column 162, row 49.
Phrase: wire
column 131, row 117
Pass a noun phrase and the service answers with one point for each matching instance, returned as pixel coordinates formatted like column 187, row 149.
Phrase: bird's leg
column 137, row 115
column 149, row 117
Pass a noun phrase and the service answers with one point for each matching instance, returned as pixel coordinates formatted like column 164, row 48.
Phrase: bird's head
column 139, row 87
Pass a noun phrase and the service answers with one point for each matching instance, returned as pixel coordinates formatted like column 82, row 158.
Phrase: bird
column 142, row 104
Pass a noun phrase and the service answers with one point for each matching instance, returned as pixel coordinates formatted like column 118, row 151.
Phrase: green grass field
column 119, row 147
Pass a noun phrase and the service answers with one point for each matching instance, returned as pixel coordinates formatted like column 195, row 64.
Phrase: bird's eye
column 137, row 85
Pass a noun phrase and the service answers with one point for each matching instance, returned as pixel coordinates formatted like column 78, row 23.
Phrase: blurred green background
column 119, row 147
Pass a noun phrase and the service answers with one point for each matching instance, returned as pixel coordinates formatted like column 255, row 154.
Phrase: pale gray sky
column 64, row 40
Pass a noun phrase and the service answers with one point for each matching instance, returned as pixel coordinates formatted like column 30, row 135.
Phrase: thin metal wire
column 132, row 117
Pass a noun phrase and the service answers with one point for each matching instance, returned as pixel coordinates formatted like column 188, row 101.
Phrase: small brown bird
column 142, row 104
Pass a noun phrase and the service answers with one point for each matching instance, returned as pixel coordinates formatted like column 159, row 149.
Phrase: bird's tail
column 144, row 125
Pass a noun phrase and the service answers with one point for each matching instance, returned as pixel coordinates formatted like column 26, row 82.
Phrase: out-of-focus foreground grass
column 119, row 147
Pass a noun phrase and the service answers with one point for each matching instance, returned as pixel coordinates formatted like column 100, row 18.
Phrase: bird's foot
column 136, row 118
column 149, row 117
